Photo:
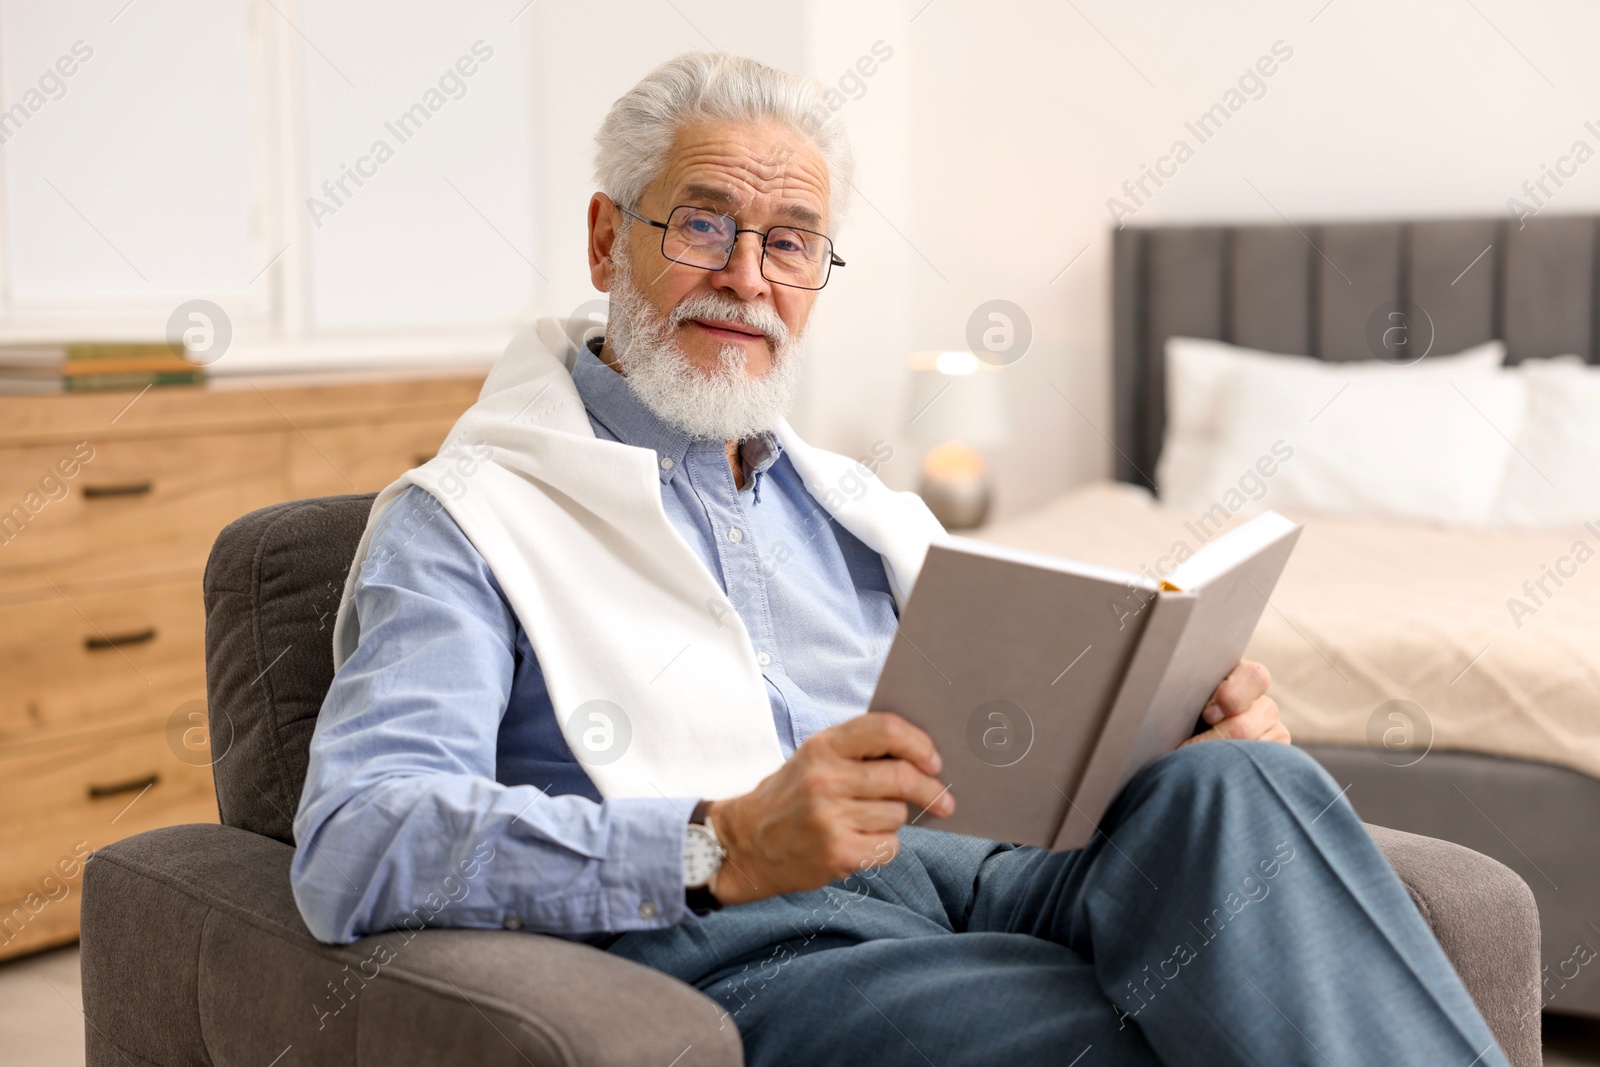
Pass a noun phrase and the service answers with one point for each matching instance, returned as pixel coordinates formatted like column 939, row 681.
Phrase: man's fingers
column 876, row 849
column 900, row 780
column 883, row 733
column 1259, row 722
column 1238, row 691
column 877, row 816
column 1252, row 724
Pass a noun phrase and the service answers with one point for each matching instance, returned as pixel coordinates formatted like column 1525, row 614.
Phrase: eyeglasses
column 697, row 237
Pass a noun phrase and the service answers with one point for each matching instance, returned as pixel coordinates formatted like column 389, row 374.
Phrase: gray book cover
column 1046, row 684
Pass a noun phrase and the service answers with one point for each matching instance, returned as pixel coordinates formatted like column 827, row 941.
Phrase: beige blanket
column 1494, row 635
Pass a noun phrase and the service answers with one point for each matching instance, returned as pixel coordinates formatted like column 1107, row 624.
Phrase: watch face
column 702, row 856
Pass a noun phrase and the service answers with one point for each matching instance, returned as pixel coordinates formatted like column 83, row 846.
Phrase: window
column 332, row 173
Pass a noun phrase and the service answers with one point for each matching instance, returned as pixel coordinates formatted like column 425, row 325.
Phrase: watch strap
column 702, row 811
column 700, row 899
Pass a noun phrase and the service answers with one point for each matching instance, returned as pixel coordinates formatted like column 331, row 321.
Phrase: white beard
column 720, row 403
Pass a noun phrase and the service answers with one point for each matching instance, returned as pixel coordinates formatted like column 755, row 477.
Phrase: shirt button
column 666, row 463
column 763, row 659
column 736, row 535
column 513, row 922
column 648, row 910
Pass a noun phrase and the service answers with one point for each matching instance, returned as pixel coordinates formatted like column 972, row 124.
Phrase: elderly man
column 604, row 668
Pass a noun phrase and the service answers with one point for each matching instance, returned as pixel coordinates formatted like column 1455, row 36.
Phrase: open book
column 1047, row 684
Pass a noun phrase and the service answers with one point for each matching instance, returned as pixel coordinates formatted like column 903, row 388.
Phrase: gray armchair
column 194, row 952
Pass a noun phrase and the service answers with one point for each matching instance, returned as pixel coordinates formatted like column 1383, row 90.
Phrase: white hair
column 637, row 133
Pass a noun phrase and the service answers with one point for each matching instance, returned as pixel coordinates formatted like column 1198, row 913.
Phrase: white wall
column 862, row 322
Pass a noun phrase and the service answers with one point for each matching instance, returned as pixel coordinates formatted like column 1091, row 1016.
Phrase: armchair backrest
column 272, row 588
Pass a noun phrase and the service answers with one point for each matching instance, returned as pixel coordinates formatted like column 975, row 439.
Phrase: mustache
column 719, row 306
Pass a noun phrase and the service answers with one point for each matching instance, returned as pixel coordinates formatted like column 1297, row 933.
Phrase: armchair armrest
column 194, row 952
column 1486, row 920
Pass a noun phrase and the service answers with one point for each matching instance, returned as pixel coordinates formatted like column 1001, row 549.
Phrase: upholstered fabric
column 1314, row 289
column 194, row 954
column 272, row 591
column 1487, row 922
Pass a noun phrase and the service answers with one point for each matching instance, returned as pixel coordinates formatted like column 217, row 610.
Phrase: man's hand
column 1240, row 709
column 832, row 809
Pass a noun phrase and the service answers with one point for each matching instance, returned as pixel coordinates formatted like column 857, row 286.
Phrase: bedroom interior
column 1120, row 278
column 1402, row 641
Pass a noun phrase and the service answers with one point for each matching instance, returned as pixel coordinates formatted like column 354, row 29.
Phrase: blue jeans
column 1232, row 911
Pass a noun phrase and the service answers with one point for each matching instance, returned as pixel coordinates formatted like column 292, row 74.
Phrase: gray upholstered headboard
column 1311, row 289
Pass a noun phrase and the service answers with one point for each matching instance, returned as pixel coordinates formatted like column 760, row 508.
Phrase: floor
column 41, row 1010
column 41, row 1018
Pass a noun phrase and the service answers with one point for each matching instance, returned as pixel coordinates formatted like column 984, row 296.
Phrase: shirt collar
column 609, row 401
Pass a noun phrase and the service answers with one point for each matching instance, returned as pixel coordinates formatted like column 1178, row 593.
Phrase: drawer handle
column 134, row 785
column 126, row 489
column 137, row 637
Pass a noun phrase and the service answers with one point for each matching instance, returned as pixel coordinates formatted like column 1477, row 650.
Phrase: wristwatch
column 702, row 859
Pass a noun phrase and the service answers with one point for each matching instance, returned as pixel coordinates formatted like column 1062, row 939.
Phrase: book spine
column 90, row 351
column 1108, row 766
column 151, row 365
column 92, row 382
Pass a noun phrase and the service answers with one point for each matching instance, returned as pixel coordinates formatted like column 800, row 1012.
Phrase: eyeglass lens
column 701, row 238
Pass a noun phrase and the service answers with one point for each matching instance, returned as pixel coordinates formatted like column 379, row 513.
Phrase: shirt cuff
column 642, row 876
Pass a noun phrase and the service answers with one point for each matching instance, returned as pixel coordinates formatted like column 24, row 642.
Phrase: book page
column 1044, row 560
column 1229, row 550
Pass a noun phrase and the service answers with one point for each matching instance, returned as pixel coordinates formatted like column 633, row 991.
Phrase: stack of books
column 75, row 367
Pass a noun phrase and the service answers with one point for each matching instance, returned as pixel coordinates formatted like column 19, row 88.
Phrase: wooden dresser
column 109, row 503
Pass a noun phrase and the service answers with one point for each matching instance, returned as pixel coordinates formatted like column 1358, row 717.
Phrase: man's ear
column 602, row 235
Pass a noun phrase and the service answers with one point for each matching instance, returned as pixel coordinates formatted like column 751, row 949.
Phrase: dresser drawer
column 361, row 458
column 65, row 800
column 78, row 660
column 135, row 507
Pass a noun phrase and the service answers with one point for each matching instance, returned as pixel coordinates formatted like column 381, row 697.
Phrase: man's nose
column 742, row 275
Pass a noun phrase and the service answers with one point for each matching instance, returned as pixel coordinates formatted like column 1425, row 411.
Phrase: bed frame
column 1311, row 289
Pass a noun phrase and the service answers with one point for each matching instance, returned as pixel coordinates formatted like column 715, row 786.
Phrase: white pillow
column 1201, row 372
column 1425, row 441
column 1555, row 477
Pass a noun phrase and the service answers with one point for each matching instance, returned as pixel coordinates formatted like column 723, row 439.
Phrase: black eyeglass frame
column 832, row 261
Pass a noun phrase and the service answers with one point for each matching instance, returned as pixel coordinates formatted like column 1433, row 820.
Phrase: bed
column 1380, row 625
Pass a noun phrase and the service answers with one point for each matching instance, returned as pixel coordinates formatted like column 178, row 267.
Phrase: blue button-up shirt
column 440, row 789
